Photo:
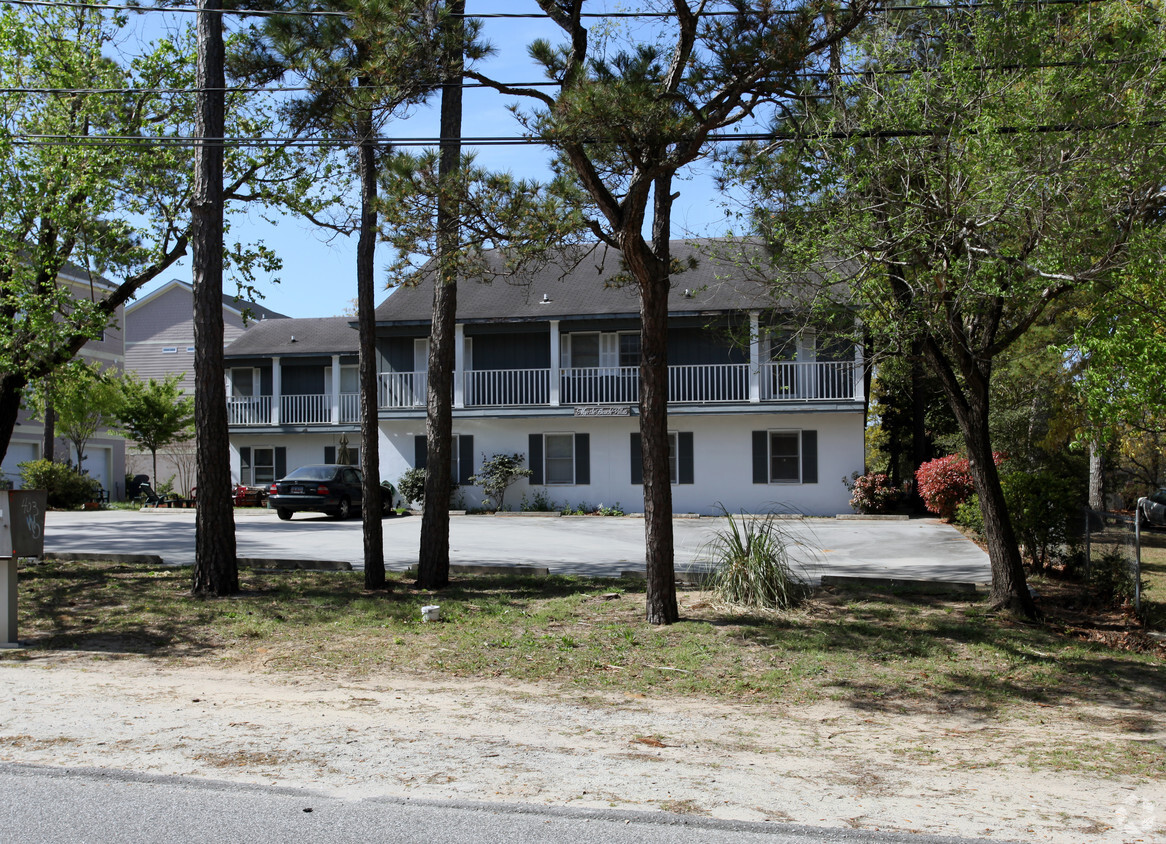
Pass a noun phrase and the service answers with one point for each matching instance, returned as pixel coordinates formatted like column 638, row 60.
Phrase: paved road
column 916, row 549
column 46, row 805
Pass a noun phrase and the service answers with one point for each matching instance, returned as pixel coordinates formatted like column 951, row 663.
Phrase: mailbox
column 22, row 534
column 22, row 522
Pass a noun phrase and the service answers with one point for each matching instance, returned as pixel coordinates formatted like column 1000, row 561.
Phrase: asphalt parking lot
column 921, row 549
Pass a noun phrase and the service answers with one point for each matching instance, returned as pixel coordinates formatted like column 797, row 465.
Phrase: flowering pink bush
column 946, row 482
column 873, row 493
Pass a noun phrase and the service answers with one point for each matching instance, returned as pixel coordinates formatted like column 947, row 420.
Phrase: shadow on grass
column 953, row 654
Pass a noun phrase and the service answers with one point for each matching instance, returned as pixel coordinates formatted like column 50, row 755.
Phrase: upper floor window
column 600, row 350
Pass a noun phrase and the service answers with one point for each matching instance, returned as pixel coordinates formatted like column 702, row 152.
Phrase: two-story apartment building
column 105, row 452
column 764, row 414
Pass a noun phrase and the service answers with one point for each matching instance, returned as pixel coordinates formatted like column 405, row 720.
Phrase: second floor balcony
column 696, row 384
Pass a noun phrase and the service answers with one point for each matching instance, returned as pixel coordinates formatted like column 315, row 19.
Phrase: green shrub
column 752, row 565
column 1112, row 578
column 68, row 489
column 1045, row 508
column 497, row 473
column 538, row 502
column 411, row 485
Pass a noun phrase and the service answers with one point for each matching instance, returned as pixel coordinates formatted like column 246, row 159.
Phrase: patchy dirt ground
column 828, row 764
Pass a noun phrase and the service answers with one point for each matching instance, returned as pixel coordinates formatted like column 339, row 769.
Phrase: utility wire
column 890, row 7
column 79, row 142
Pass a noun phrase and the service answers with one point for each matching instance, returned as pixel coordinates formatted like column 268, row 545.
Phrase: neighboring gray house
column 159, row 342
column 105, row 453
column 764, row 413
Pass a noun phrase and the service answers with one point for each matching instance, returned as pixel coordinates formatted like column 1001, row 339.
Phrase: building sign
column 603, row 410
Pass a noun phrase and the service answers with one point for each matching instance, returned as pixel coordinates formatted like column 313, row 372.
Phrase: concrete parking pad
column 923, row 549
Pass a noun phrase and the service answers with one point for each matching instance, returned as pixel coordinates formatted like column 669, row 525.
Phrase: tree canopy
column 979, row 170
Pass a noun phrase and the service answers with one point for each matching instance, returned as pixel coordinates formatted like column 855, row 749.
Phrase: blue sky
column 318, row 275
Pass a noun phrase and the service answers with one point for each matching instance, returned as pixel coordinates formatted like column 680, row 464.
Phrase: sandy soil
column 826, row 764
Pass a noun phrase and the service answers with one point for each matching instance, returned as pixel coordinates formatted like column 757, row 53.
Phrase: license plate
column 297, row 490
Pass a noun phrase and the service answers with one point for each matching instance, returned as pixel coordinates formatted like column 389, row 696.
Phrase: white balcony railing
column 507, row 387
column 808, row 381
column 305, row 409
column 249, row 410
column 600, row 385
column 706, row 383
column 725, row 382
column 350, row 407
column 402, row 389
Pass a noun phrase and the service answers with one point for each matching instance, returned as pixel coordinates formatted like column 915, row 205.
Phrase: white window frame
column 797, row 434
column 546, row 458
column 674, row 457
column 255, row 449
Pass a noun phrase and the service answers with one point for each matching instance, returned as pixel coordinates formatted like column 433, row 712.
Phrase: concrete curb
column 536, row 571
column 130, row 559
column 869, row 517
column 262, row 564
column 901, row 585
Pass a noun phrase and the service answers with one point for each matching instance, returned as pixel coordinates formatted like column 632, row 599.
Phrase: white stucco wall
column 722, row 452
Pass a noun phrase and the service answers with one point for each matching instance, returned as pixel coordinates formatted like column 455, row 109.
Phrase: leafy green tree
column 154, row 414
column 977, row 172
column 626, row 117
column 76, row 193
column 82, row 398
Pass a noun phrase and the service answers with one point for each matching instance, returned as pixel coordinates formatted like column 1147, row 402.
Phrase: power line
column 889, row 7
column 80, row 142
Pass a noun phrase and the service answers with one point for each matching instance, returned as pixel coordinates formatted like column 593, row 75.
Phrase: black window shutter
column 760, row 457
column 637, row 460
column 684, row 460
column 280, row 461
column 420, row 452
column 809, row 457
column 583, row 458
column 536, row 458
column 465, row 461
column 245, row 460
column 329, row 454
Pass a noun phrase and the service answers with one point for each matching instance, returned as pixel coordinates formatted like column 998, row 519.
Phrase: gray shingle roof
column 728, row 277
column 310, row 336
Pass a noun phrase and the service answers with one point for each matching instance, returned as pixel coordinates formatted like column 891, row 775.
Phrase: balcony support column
column 754, row 357
column 459, row 365
column 859, row 365
column 276, row 390
column 555, row 377
column 335, row 389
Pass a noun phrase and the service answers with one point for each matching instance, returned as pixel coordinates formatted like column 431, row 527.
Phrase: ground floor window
column 785, row 457
column 262, row 466
column 560, row 458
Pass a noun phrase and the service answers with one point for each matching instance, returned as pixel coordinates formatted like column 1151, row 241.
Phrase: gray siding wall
column 167, row 321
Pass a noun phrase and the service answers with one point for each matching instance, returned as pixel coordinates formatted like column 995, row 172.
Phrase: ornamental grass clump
column 752, row 565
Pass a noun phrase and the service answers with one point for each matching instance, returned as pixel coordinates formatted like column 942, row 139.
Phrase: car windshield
column 312, row 473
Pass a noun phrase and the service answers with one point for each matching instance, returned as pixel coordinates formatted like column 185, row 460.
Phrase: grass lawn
column 871, row 650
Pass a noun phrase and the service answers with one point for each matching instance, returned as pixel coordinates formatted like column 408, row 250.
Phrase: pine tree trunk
column 370, row 459
column 433, row 557
column 661, row 576
column 215, row 566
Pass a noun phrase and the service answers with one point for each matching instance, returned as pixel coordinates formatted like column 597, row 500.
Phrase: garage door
column 18, row 453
